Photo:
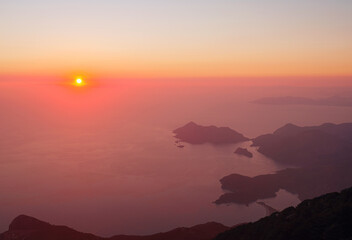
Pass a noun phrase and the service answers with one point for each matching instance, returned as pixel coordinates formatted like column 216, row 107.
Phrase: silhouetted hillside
column 198, row 232
column 28, row 228
column 326, row 217
column 196, row 134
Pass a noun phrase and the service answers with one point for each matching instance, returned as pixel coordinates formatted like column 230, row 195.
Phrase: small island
column 244, row 152
column 196, row 134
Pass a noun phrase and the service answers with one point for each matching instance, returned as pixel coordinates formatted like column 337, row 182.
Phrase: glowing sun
column 79, row 82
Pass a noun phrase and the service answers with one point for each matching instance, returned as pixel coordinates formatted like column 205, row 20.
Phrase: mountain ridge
column 324, row 217
column 30, row 228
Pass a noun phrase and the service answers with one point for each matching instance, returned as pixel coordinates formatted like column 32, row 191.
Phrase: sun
column 79, row 82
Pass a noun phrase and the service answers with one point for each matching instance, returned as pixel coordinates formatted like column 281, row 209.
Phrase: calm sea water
column 103, row 160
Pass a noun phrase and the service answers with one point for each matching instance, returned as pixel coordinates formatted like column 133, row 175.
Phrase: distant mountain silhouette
column 326, row 217
column 196, row 134
column 323, row 155
column 28, row 228
column 205, row 231
column 244, row 152
column 289, row 100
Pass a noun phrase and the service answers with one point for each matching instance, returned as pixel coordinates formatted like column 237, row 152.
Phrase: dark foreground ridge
column 196, row 134
column 28, row 228
column 326, row 217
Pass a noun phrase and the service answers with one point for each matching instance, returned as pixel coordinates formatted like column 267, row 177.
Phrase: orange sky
column 187, row 39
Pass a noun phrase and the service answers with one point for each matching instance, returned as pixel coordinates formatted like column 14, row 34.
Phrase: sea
column 103, row 159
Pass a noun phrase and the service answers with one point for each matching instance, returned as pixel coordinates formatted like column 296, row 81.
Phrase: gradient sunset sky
column 175, row 39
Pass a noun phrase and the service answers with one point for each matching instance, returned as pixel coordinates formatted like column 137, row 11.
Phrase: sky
column 176, row 39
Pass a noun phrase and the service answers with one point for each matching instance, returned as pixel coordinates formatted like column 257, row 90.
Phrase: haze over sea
column 103, row 160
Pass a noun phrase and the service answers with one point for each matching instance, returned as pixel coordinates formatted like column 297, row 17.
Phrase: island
column 196, row 134
column 244, row 152
column 320, row 157
column 299, row 146
column 306, row 182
